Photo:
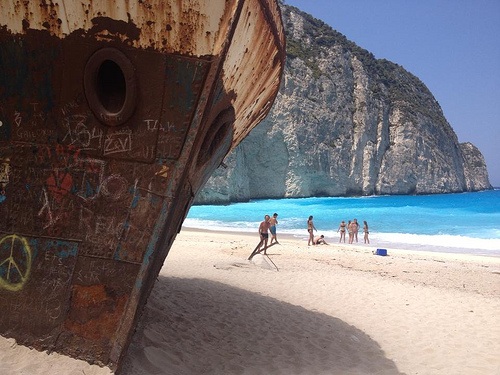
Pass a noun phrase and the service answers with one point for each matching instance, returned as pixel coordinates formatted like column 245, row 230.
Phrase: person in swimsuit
column 355, row 226
column 310, row 229
column 342, row 231
column 320, row 240
column 272, row 228
column 365, row 231
column 350, row 231
column 264, row 235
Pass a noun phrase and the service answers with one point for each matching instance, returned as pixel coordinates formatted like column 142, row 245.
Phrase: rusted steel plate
column 100, row 292
column 83, row 121
column 254, row 46
column 183, row 81
column 38, row 272
column 186, row 27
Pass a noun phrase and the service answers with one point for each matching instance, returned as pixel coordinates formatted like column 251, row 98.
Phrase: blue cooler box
column 382, row 252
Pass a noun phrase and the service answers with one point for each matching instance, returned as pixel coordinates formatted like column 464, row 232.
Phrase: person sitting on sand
column 320, row 240
column 310, row 228
column 272, row 228
column 264, row 235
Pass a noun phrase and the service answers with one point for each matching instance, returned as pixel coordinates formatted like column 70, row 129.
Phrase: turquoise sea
column 457, row 223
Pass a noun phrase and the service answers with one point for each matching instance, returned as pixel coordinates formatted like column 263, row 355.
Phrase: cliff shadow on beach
column 198, row 326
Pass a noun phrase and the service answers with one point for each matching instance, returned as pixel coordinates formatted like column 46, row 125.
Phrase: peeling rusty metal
column 112, row 117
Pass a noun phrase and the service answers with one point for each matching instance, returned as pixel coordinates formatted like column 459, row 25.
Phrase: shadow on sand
column 198, row 326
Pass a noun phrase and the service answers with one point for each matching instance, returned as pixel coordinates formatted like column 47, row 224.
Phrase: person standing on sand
column 272, row 228
column 356, row 229
column 350, row 231
column 310, row 228
column 264, row 235
column 342, row 231
column 365, row 231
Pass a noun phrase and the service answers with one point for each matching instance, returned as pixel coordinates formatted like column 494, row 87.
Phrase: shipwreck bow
column 113, row 114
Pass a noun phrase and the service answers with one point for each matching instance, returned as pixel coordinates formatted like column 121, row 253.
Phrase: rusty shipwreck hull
column 112, row 116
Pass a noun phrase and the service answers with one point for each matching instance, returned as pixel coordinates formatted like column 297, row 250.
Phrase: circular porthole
column 218, row 137
column 110, row 86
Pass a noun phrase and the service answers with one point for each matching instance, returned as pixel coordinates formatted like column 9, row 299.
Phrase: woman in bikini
column 342, row 231
column 310, row 228
column 350, row 231
column 365, row 230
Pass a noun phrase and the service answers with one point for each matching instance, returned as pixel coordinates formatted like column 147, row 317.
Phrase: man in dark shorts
column 264, row 234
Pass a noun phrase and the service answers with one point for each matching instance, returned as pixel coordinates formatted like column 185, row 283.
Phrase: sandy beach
column 327, row 309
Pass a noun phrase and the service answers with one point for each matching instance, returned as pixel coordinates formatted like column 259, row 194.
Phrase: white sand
column 328, row 310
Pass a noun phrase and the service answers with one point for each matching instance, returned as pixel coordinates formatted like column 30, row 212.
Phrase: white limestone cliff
column 346, row 124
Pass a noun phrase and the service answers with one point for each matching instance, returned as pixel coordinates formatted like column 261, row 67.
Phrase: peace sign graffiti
column 15, row 262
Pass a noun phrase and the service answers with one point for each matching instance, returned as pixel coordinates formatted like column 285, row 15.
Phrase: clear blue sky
column 453, row 46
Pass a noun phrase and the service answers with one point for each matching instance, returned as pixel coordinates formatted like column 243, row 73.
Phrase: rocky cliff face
column 345, row 123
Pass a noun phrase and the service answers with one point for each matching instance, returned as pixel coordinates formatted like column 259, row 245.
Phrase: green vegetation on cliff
column 401, row 86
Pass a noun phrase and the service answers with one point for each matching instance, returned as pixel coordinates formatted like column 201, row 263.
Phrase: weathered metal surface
column 112, row 116
column 188, row 27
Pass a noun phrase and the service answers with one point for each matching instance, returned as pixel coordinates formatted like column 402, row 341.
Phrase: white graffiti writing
column 118, row 142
